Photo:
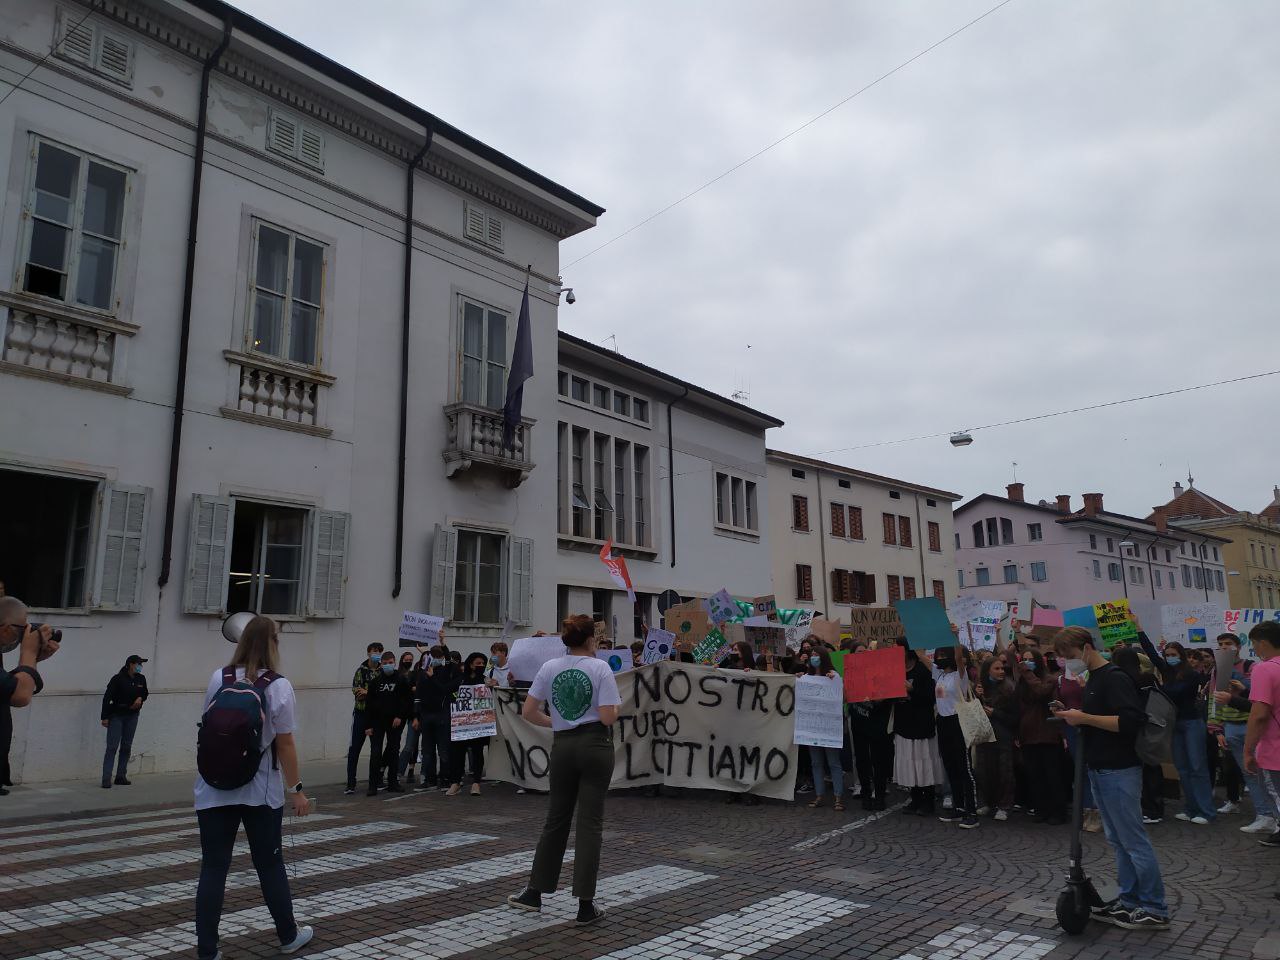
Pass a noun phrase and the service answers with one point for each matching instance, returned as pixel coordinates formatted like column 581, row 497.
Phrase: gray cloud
column 1063, row 205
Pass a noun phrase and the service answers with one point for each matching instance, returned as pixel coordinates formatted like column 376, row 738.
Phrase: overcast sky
column 1063, row 205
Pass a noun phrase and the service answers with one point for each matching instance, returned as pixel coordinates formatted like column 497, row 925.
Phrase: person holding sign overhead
column 583, row 698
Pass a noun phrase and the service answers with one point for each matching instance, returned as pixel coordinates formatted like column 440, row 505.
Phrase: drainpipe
column 184, row 337
column 404, row 358
column 671, row 472
column 925, row 589
column 822, row 548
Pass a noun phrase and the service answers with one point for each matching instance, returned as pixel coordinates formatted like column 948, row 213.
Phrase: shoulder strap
column 228, row 676
column 265, row 680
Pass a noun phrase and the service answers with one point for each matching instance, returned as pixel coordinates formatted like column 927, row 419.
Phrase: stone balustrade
column 273, row 392
column 59, row 342
column 475, row 437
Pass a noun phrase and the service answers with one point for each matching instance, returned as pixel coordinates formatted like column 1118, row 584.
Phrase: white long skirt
column 916, row 763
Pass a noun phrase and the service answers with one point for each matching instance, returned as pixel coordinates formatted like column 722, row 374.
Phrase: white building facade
column 284, row 335
column 1068, row 558
column 672, row 474
column 843, row 537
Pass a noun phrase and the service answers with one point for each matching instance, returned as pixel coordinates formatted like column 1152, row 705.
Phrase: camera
column 55, row 635
column 569, row 297
column 20, row 633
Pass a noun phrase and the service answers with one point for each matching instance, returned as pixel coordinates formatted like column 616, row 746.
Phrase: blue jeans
column 1118, row 794
column 1190, row 756
column 120, row 730
column 218, row 829
column 829, row 758
column 1258, row 793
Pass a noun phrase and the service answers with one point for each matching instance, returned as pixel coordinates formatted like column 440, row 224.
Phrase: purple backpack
column 229, row 744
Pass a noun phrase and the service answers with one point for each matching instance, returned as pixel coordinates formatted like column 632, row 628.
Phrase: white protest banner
column 1193, row 624
column 528, row 654
column 679, row 724
column 618, row 659
column 819, row 712
column 420, row 629
column 721, row 606
column 472, row 714
column 658, row 645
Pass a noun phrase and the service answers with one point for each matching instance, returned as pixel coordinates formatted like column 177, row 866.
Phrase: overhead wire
column 787, row 136
column 43, row 60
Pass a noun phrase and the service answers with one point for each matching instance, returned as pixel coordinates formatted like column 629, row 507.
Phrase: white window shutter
column 115, row 58
column 444, row 563
column 75, row 39
column 122, row 533
column 475, row 223
column 331, row 536
column 283, row 135
column 494, row 232
column 520, row 582
column 311, row 148
column 208, row 555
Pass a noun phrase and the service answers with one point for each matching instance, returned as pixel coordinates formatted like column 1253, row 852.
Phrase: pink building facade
column 1068, row 558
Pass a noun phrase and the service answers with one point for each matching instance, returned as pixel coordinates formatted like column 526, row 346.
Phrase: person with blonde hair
column 246, row 694
column 583, row 698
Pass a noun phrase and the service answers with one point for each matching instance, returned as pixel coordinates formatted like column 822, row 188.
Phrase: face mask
column 375, row 658
column 815, row 662
column 1076, row 667
column 388, row 668
column 1028, row 664
column 138, row 668
column 1173, row 661
column 493, row 660
column 437, row 662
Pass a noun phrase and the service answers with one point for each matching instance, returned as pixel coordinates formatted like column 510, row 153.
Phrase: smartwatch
column 296, row 788
column 31, row 672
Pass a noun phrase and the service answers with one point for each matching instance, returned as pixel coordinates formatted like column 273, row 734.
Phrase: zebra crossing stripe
column 169, row 858
column 968, row 942
column 113, row 818
column 332, row 903
column 119, row 843
column 743, row 932
column 86, row 908
column 45, row 838
column 475, row 931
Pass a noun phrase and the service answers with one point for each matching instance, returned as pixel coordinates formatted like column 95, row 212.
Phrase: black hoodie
column 434, row 693
column 390, row 696
column 123, row 689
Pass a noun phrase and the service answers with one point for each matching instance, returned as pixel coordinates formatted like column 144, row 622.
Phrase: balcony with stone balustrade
column 277, row 394
column 474, row 440
column 60, row 342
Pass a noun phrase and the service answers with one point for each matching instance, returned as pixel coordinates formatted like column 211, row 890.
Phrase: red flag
column 617, row 569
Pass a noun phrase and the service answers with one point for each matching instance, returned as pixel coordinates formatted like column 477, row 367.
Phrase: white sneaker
column 1261, row 825
column 1186, row 817
column 1001, row 815
column 1229, row 807
column 301, row 940
column 982, row 811
column 1199, row 821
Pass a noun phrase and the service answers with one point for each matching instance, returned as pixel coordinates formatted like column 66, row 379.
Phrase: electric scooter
column 1076, row 902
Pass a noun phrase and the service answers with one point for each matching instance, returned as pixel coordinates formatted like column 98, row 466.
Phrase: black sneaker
column 106, row 784
column 123, row 782
column 1139, row 919
column 950, row 816
column 1111, row 912
column 1271, row 840
column 530, row 900
column 349, row 791
column 969, row 822
column 588, row 912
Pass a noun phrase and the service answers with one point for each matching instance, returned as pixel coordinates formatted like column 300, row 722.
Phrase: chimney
column 1162, row 524
column 1092, row 504
column 1177, row 489
column 1015, row 492
column 1064, row 503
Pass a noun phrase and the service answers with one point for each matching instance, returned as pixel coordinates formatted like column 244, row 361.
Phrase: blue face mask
column 815, row 662
column 388, row 668
column 1173, row 661
column 437, row 662
column 375, row 658
column 138, row 668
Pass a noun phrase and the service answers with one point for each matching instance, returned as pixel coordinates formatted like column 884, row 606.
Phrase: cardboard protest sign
column 618, row 659
column 658, row 645
column 766, row 607
column 875, row 623
column 722, row 607
column 472, row 714
column 769, row 639
column 819, row 712
column 711, row 649
column 1086, row 617
column 978, row 621
column 837, row 662
column 678, row 724
column 1115, row 626
column 1046, row 617
column 797, row 626
column 419, row 629
column 1193, row 624
column 528, row 654
column 689, row 626
column 875, row 675
column 926, row 623
column 963, row 609
column 828, row 631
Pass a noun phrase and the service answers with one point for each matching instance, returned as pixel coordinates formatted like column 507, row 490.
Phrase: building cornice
column 1246, row 521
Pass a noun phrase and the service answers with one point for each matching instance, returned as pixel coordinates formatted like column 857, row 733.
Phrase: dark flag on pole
column 521, row 370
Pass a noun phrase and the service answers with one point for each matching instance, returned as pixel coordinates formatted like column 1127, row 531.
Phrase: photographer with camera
column 36, row 642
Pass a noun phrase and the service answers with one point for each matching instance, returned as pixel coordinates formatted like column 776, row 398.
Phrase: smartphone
column 1056, row 706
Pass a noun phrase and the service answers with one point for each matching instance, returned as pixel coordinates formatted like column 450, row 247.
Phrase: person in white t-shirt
column 583, row 698
column 259, row 804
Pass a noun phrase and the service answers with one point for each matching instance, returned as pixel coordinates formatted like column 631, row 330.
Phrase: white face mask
column 1075, row 666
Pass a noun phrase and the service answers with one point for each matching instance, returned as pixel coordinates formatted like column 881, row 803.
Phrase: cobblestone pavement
column 687, row 876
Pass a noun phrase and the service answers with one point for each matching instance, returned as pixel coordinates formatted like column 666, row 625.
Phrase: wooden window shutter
column 836, row 596
column 890, row 529
column 331, row 536
column 208, row 555
column 855, row 523
column 868, row 588
column 75, row 40
column 804, row 581
column 940, row 590
column 800, row 512
column 904, row 531
column 493, row 232
column 895, row 590
column 283, row 135
column 115, row 58
column 908, row 588
column 475, row 223
column 837, row 520
column 520, row 589
column 444, row 564
column 122, row 548
column 311, row 148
